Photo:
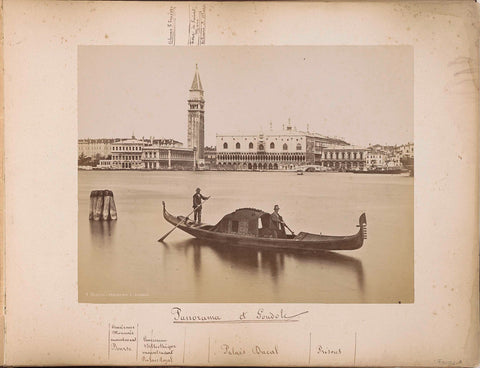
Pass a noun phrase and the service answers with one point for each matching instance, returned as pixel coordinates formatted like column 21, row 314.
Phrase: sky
column 363, row 94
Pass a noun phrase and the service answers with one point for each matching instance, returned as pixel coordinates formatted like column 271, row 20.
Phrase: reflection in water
column 271, row 261
column 123, row 257
column 197, row 258
column 101, row 232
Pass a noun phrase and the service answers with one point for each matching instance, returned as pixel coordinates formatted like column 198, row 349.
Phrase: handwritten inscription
column 324, row 350
column 197, row 25
column 156, row 350
column 270, row 315
column 261, row 350
column 171, row 25
column 122, row 338
column 129, row 343
column 260, row 315
column 233, row 350
column 179, row 315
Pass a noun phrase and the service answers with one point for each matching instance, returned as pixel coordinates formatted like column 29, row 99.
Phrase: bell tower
column 196, row 119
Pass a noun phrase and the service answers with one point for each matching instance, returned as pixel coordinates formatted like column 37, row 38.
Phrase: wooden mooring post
column 102, row 205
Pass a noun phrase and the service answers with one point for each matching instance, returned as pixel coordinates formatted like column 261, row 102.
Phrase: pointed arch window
column 285, row 147
column 237, row 146
column 299, row 147
column 272, row 145
column 250, row 145
column 225, row 145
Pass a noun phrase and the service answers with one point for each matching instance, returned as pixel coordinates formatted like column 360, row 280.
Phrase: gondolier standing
column 197, row 201
column 278, row 226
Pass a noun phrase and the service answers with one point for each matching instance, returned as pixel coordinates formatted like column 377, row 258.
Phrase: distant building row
column 152, row 154
column 284, row 149
column 272, row 150
column 289, row 149
column 103, row 147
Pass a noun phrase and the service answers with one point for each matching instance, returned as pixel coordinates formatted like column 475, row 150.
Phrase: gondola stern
column 363, row 219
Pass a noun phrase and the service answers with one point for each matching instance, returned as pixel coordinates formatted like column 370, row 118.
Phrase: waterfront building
column 196, row 118
column 155, row 157
column 344, row 157
column 284, row 149
column 125, row 154
column 406, row 150
column 95, row 148
column 210, row 158
column 388, row 156
column 375, row 158
column 149, row 154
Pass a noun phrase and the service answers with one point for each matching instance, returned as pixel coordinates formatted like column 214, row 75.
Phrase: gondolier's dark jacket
column 197, row 200
column 276, row 221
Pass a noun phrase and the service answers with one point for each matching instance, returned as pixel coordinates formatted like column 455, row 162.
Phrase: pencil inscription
column 171, row 25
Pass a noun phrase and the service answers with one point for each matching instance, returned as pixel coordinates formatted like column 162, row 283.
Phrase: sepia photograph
column 246, row 174
column 240, row 183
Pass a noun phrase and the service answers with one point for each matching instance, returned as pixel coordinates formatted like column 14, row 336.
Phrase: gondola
column 252, row 227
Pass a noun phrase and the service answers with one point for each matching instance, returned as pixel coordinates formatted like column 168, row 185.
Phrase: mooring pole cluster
column 102, row 205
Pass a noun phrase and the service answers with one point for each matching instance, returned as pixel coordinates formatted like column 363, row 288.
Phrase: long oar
column 181, row 222
column 288, row 228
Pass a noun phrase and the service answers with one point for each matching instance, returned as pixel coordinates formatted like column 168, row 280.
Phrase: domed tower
column 196, row 116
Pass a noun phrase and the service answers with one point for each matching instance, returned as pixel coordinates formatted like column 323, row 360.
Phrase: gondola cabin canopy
column 244, row 221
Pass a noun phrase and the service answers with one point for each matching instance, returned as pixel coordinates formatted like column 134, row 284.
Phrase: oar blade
column 167, row 234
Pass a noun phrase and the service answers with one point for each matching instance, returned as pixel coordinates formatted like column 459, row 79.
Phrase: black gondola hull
column 302, row 241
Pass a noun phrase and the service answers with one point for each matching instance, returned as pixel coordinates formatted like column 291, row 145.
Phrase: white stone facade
column 271, row 150
column 344, row 158
column 162, row 158
column 133, row 154
column 127, row 154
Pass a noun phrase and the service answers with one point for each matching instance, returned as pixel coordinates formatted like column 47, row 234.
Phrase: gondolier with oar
column 197, row 201
column 277, row 224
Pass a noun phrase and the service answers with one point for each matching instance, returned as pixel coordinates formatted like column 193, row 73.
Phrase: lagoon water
column 121, row 261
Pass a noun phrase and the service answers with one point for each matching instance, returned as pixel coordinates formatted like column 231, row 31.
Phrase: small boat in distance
column 251, row 227
column 299, row 172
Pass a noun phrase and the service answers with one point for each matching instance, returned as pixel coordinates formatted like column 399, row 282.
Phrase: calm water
column 121, row 261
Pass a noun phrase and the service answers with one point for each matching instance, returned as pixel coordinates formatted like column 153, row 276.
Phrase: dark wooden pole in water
column 93, row 204
column 106, row 205
column 102, row 205
column 113, row 208
column 181, row 222
column 97, row 211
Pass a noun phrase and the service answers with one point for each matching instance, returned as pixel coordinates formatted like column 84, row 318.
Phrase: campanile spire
column 196, row 119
